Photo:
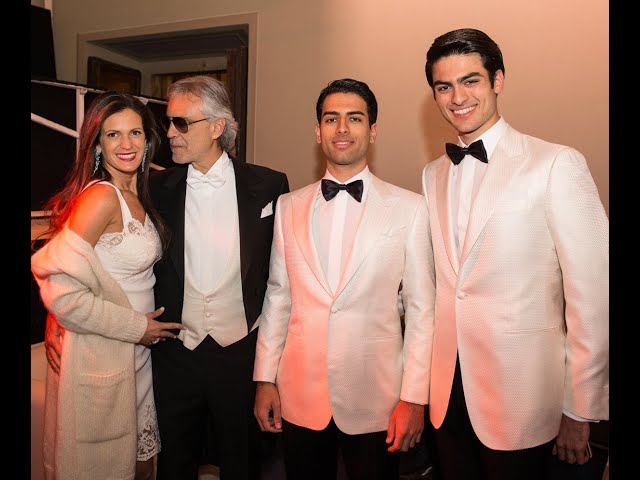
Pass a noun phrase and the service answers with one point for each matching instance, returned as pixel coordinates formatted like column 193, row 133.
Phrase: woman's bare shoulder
column 94, row 211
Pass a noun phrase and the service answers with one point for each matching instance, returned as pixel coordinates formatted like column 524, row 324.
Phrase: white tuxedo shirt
column 334, row 225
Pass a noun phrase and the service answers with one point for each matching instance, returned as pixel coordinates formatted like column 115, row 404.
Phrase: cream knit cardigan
column 90, row 429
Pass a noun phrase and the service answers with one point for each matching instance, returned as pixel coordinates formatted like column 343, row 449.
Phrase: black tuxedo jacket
column 256, row 186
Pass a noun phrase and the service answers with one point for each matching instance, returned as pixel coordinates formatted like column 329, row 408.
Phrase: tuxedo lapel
column 175, row 193
column 375, row 221
column 443, row 195
column 247, row 187
column 502, row 168
column 302, row 203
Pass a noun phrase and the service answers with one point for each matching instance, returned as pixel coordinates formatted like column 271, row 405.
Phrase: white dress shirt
column 335, row 223
column 465, row 179
column 210, row 222
column 213, row 286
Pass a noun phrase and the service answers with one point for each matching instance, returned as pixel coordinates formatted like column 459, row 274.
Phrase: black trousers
column 208, row 384
column 459, row 455
column 313, row 455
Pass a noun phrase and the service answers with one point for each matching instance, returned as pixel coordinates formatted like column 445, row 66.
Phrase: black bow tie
column 330, row 189
column 456, row 153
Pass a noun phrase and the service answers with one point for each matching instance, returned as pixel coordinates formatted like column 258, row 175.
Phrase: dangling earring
column 144, row 157
column 96, row 154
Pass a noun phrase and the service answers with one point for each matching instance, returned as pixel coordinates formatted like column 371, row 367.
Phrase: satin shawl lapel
column 503, row 165
column 375, row 221
column 247, row 187
column 302, row 203
column 175, row 189
column 445, row 216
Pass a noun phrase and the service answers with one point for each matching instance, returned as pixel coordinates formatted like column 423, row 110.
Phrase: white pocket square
column 267, row 210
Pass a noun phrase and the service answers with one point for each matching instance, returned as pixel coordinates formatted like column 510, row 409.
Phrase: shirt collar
column 220, row 169
column 491, row 137
column 362, row 175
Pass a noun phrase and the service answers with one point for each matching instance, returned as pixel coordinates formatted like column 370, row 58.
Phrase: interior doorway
column 223, row 47
column 160, row 81
column 235, row 80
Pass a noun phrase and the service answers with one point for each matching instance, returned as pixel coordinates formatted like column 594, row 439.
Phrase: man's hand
column 53, row 336
column 266, row 408
column 405, row 426
column 572, row 442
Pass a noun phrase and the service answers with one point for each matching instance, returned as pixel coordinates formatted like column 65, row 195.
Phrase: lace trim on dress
column 148, row 436
column 115, row 238
column 149, row 251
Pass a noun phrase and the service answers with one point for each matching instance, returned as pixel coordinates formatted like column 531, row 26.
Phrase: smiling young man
column 334, row 371
column 520, row 241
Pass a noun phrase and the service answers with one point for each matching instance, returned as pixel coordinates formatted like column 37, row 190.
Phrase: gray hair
column 215, row 104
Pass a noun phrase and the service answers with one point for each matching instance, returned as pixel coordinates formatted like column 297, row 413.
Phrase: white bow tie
column 201, row 181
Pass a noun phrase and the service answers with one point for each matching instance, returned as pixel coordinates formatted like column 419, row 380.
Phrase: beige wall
column 556, row 59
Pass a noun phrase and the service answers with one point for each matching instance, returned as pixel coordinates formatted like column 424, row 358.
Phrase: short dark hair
column 465, row 41
column 348, row 85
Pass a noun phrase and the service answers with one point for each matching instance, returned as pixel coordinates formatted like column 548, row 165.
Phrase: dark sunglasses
column 181, row 124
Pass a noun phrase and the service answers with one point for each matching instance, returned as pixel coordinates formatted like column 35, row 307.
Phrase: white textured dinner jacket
column 344, row 354
column 537, row 237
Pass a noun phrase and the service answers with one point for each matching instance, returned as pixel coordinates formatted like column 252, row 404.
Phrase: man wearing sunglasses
column 212, row 279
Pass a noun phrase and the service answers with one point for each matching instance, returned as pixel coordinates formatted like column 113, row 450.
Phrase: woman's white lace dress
column 129, row 257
